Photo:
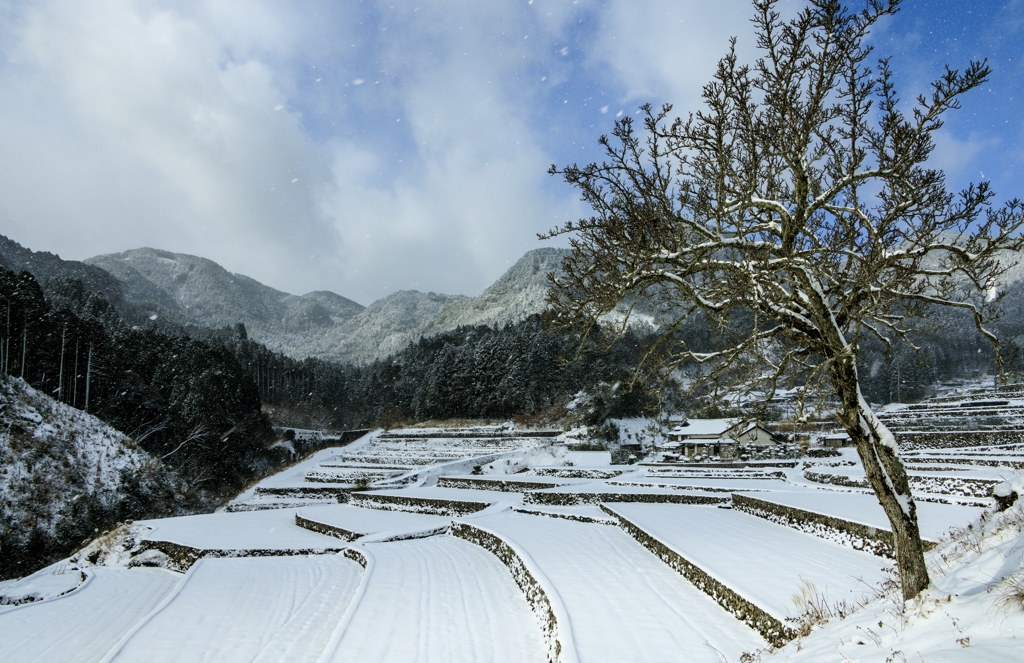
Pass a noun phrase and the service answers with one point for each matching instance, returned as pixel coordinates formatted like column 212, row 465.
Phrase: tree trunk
column 880, row 456
column 60, row 373
column 88, row 376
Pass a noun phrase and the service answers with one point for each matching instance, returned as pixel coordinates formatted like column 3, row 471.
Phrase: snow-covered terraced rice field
column 254, row 530
column 447, row 494
column 437, row 600
column 252, row 609
column 623, row 603
column 82, row 626
column 425, row 451
column 600, row 491
column 349, row 475
column 768, row 574
column 425, row 595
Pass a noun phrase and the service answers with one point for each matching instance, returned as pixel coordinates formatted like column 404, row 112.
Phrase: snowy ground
column 407, row 589
column 85, row 624
column 717, row 540
column 264, row 609
column 622, row 602
column 255, row 530
column 437, row 600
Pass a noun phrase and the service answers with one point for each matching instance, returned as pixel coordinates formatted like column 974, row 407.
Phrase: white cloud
column 129, row 125
column 357, row 148
column 476, row 199
column 666, row 50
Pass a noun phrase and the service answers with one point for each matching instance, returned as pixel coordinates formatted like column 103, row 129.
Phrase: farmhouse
column 718, row 437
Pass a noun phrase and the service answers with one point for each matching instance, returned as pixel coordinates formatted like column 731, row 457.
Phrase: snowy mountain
column 391, row 323
column 383, row 328
column 210, row 296
column 322, row 323
column 517, row 294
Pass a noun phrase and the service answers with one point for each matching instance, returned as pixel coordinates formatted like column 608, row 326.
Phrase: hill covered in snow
column 64, row 473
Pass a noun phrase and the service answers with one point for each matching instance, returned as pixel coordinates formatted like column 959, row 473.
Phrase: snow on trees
column 797, row 212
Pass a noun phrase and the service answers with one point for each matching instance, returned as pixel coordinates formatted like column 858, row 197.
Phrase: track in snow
column 438, row 600
column 253, row 609
column 623, row 603
column 82, row 626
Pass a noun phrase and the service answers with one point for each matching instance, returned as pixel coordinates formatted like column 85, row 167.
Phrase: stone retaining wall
column 956, row 486
column 565, row 516
column 181, row 557
column 356, row 556
column 480, row 435
column 323, row 528
column 669, row 486
column 268, row 506
column 569, row 473
column 417, row 504
column 855, row 535
column 773, row 630
column 956, row 439
column 351, row 476
column 575, row 499
column 314, row 492
column 535, row 595
column 981, row 462
column 500, row 485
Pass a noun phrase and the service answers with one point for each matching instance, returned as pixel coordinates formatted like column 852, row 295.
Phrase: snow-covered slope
column 60, row 467
column 973, row 611
column 385, row 327
column 519, row 293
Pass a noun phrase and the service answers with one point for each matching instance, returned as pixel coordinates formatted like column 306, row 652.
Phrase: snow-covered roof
column 704, row 427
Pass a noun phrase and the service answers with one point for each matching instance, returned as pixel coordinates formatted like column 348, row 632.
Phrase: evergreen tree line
column 471, row 372
column 186, row 401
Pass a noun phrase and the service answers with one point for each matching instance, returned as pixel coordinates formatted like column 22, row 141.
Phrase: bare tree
column 797, row 206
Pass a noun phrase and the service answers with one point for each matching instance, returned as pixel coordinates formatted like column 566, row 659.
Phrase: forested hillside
column 185, row 402
column 64, row 474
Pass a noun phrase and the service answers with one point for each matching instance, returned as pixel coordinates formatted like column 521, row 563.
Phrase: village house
column 724, row 438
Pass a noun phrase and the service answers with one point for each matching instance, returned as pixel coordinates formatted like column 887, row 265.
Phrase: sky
column 367, row 147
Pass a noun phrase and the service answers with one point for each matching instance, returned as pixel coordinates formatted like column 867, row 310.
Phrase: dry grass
column 1011, row 592
column 813, row 608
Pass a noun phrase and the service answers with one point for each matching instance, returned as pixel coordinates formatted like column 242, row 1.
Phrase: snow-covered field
column 85, row 624
column 569, row 582
column 623, row 604
column 246, row 609
column 437, row 600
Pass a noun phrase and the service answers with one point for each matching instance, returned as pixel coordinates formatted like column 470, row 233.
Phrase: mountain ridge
column 321, row 323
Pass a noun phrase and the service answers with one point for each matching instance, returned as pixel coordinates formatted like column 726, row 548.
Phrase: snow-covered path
column 252, row 609
column 624, row 604
column 438, row 600
column 81, row 627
